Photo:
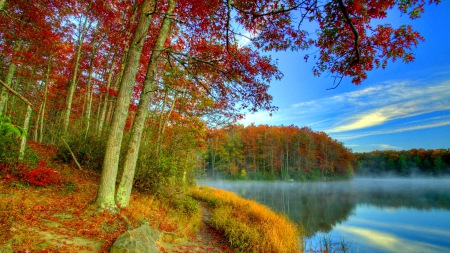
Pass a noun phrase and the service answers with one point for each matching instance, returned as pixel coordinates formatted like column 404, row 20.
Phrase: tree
column 107, row 51
column 106, row 190
column 126, row 183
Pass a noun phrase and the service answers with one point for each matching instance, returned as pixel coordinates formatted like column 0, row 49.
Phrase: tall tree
column 106, row 189
column 126, row 183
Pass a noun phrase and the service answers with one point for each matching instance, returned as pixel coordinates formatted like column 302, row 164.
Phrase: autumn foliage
column 276, row 152
column 42, row 175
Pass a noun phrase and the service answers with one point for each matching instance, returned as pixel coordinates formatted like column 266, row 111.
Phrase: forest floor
column 61, row 217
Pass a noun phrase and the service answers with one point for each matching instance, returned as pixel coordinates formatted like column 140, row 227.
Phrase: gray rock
column 140, row 240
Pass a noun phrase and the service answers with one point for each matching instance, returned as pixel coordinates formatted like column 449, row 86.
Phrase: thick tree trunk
column 106, row 188
column 126, row 183
column 112, row 101
column 73, row 83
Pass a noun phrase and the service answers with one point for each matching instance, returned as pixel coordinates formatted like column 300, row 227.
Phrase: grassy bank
column 248, row 226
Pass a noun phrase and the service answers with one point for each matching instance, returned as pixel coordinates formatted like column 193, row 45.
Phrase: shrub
column 89, row 151
column 42, row 175
column 185, row 205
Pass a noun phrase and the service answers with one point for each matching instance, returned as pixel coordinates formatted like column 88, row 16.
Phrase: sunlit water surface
column 369, row 215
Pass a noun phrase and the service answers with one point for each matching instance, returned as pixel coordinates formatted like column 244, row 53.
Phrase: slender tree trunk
column 44, row 102
column 163, row 126
column 160, row 125
column 23, row 142
column 106, row 188
column 73, row 83
column 88, row 90
column 4, row 94
column 36, row 125
column 106, row 100
column 126, row 183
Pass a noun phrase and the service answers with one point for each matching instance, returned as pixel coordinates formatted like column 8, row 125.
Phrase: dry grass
column 249, row 226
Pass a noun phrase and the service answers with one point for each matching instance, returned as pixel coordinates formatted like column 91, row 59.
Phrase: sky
column 405, row 106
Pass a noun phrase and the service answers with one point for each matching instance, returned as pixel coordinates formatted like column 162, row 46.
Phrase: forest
column 405, row 163
column 131, row 89
column 275, row 153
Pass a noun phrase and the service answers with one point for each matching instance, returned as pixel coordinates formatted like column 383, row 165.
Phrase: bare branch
column 17, row 94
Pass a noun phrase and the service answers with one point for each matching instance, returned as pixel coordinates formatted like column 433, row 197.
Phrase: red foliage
column 42, row 175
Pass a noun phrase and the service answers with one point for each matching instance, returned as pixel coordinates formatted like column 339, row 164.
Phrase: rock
column 140, row 240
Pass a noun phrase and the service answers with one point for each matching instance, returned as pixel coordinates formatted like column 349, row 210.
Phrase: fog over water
column 375, row 215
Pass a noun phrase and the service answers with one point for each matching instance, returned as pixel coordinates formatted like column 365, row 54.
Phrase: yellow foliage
column 249, row 226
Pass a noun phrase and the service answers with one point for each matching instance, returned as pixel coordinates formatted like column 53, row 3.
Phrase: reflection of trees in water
column 417, row 194
column 317, row 206
column 320, row 206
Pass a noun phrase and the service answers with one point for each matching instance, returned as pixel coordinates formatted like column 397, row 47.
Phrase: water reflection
column 321, row 206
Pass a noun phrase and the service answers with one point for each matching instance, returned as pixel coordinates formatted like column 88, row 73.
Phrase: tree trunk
column 73, row 83
column 44, row 102
column 106, row 100
column 106, row 188
column 89, row 93
column 4, row 94
column 105, row 127
column 23, row 142
column 126, row 183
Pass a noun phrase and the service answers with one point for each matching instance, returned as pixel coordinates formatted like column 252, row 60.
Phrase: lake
column 369, row 215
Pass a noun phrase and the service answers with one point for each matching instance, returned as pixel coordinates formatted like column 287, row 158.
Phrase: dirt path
column 208, row 240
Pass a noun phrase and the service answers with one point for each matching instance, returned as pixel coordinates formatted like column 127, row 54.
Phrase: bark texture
column 126, row 183
column 106, row 188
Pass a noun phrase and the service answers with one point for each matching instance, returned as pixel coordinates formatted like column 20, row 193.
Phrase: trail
column 207, row 240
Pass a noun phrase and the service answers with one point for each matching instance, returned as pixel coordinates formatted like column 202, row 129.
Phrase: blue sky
column 402, row 107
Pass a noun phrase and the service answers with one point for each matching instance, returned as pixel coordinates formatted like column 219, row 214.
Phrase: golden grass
column 249, row 226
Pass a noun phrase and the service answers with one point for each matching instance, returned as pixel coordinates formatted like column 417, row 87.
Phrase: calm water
column 370, row 215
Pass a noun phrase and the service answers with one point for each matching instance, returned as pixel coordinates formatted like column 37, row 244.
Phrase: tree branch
column 355, row 33
column 17, row 94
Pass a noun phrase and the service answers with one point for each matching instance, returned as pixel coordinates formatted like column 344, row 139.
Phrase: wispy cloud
column 391, row 102
column 390, row 130
column 390, row 107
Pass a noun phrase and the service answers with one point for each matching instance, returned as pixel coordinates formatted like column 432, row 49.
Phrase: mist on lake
column 327, row 207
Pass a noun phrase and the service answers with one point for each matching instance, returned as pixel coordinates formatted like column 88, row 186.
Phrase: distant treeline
column 412, row 162
column 275, row 152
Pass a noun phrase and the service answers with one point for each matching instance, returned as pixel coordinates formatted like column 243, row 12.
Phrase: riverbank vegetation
column 414, row 162
column 275, row 153
column 249, row 226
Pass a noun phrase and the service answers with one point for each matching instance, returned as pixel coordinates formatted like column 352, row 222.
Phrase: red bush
column 42, row 175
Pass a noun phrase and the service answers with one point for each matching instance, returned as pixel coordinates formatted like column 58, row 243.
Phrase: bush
column 42, row 175
column 89, row 151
